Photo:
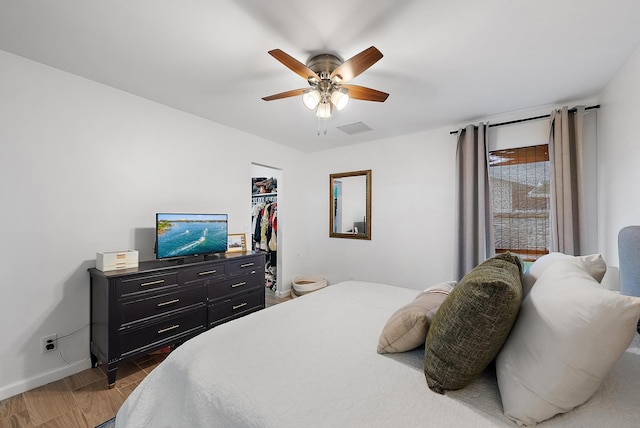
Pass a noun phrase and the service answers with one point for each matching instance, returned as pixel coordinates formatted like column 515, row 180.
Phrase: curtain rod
column 527, row 119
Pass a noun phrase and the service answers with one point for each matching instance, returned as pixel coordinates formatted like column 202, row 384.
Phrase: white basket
column 306, row 284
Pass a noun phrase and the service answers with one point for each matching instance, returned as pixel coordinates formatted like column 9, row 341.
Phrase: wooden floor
column 83, row 400
column 271, row 299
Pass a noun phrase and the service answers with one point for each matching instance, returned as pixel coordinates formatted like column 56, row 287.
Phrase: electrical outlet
column 49, row 343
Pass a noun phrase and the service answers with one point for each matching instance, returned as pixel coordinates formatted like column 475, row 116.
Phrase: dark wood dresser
column 161, row 303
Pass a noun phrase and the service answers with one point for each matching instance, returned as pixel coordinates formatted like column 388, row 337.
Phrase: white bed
column 312, row 362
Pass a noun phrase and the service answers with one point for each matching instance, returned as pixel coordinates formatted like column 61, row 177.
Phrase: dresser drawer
column 140, row 309
column 220, row 289
column 245, row 265
column 236, row 306
column 213, row 270
column 143, row 283
column 169, row 329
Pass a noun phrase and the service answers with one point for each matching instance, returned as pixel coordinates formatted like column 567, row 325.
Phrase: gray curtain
column 567, row 178
column 474, row 223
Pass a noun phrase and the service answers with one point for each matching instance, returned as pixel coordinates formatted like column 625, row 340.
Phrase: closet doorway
column 265, row 183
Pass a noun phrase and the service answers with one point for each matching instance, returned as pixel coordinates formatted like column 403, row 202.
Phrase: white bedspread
column 312, row 362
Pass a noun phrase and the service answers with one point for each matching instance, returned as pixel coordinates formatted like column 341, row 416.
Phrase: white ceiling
column 445, row 62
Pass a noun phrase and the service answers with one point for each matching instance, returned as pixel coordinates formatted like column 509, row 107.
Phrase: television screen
column 180, row 235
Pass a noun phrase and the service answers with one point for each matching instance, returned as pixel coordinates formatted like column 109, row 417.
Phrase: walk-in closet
column 264, row 218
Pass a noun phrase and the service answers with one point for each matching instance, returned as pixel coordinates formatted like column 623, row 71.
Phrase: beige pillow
column 407, row 328
column 569, row 333
column 593, row 264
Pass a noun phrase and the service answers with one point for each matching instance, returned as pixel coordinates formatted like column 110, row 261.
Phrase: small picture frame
column 236, row 242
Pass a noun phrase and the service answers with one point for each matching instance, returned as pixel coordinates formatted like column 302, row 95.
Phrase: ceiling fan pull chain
column 324, row 122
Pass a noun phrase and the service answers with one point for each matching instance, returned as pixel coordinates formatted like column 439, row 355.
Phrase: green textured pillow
column 473, row 323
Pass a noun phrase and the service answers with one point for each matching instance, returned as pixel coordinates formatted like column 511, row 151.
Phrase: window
column 520, row 198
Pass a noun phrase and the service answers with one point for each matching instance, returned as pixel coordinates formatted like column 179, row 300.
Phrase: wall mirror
column 350, row 205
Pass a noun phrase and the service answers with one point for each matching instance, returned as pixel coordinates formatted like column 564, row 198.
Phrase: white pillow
column 593, row 264
column 568, row 335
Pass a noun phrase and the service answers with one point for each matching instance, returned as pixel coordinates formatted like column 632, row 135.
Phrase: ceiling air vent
column 355, row 128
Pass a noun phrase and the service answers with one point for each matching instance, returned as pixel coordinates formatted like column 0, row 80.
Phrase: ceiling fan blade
column 365, row 94
column 294, row 65
column 356, row 64
column 287, row 94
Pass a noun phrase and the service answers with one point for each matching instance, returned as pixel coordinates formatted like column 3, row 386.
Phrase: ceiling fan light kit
column 324, row 110
column 327, row 75
column 340, row 98
column 311, row 99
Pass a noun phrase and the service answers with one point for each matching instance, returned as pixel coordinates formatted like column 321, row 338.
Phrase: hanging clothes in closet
column 264, row 214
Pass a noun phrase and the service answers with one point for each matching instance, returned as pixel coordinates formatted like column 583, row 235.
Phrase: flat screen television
column 181, row 235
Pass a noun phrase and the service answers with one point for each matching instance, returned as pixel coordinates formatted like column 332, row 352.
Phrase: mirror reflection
column 350, row 205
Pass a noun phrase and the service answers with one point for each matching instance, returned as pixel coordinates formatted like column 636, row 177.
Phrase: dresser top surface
column 163, row 265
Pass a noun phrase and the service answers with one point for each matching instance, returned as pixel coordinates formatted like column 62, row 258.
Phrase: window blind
column 520, row 186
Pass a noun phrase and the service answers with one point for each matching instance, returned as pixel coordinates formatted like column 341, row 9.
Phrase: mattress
column 312, row 362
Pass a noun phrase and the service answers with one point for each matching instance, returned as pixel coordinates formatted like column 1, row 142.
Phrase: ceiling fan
column 327, row 76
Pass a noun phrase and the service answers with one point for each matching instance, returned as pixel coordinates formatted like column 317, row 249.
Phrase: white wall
column 412, row 212
column 619, row 156
column 84, row 168
column 412, row 202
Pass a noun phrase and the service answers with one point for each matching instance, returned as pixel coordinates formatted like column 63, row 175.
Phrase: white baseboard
column 283, row 293
column 42, row 379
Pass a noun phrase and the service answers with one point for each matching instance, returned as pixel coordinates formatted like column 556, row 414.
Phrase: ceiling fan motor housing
column 324, row 64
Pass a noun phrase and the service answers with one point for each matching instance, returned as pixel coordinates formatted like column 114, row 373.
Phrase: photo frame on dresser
column 236, row 242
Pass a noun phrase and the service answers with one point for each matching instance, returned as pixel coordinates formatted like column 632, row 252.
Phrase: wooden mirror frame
column 367, row 232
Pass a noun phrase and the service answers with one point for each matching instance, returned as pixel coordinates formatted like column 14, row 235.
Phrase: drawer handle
column 240, row 284
column 144, row 284
column 164, row 330
column 239, row 306
column 208, row 272
column 170, row 302
column 246, row 265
